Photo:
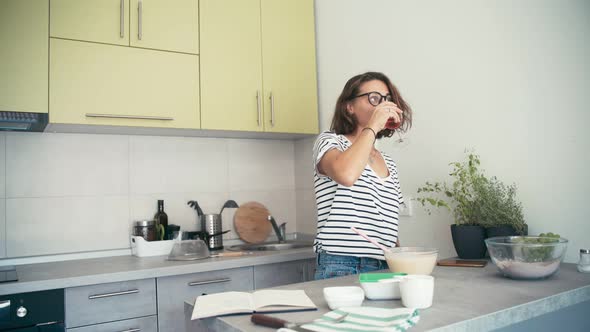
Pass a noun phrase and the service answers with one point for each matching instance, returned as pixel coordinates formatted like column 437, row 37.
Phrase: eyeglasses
column 374, row 97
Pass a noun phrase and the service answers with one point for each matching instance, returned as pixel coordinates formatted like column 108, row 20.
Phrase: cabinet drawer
column 272, row 275
column 144, row 324
column 108, row 302
column 173, row 291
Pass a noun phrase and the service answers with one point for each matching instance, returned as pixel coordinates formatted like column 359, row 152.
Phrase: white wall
column 72, row 193
column 508, row 78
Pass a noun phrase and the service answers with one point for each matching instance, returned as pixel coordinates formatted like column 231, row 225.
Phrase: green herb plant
column 474, row 198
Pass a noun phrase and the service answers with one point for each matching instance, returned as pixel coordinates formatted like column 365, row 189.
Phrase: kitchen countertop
column 83, row 272
column 465, row 299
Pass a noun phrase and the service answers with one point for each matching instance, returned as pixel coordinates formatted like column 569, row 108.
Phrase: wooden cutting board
column 251, row 222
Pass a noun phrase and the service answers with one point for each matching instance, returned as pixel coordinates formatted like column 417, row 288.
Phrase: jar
column 146, row 229
column 584, row 263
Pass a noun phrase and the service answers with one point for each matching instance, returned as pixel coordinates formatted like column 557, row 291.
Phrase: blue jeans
column 330, row 266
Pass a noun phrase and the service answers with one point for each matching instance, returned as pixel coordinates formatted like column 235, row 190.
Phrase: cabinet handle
column 206, row 282
column 122, row 19
column 100, row 296
column 131, row 330
column 137, row 117
column 272, row 110
column 139, row 19
column 258, row 107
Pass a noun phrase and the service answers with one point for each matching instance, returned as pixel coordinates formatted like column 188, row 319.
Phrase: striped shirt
column 371, row 204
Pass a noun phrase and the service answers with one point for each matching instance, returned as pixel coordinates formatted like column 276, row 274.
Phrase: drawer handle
column 117, row 116
column 122, row 19
column 258, row 107
column 139, row 20
column 272, row 110
column 131, row 330
column 206, row 282
column 100, row 296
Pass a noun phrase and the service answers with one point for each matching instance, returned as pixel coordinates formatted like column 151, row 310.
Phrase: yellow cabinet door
column 101, row 84
column 171, row 25
column 24, row 55
column 101, row 21
column 289, row 66
column 231, row 69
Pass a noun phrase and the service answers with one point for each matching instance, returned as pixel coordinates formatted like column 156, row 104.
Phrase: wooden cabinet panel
column 144, row 324
column 101, row 21
column 101, row 303
column 152, row 88
column 171, row 25
column 289, row 66
column 24, row 55
column 278, row 274
column 231, row 65
column 173, row 291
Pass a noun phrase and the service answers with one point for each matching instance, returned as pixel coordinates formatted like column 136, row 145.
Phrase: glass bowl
column 527, row 257
column 411, row 260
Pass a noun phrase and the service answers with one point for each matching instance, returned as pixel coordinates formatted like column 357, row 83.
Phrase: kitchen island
column 465, row 299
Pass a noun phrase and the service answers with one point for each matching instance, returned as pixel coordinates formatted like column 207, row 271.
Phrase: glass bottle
column 161, row 219
column 584, row 263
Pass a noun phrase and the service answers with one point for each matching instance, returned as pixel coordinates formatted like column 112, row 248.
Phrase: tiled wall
column 65, row 193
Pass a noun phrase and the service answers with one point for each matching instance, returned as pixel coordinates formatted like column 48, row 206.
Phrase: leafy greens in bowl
column 527, row 257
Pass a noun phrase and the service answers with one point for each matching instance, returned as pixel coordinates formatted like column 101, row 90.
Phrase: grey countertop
column 465, row 299
column 44, row 276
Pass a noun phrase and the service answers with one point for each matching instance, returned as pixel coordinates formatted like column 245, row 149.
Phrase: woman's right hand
column 382, row 113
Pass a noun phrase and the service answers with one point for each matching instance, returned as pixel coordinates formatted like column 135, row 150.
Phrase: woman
column 355, row 184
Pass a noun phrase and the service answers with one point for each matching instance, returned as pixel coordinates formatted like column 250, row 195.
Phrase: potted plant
column 478, row 203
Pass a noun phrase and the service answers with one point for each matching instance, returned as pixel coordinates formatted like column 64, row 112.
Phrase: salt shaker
column 584, row 263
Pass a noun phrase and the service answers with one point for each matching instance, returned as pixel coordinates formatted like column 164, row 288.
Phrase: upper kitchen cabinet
column 99, row 84
column 101, row 21
column 231, row 65
column 169, row 25
column 289, row 67
column 24, row 55
column 258, row 66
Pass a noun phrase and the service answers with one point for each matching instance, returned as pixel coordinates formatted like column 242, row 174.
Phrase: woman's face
column 360, row 107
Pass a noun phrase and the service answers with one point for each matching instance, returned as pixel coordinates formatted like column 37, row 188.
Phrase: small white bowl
column 347, row 296
column 383, row 289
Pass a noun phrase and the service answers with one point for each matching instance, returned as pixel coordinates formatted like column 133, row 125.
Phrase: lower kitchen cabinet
column 278, row 274
column 144, row 324
column 102, row 303
column 173, row 291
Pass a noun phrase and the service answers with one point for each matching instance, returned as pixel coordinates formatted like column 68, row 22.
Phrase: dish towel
column 364, row 319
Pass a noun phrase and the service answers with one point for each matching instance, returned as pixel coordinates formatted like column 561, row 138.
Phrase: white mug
column 417, row 291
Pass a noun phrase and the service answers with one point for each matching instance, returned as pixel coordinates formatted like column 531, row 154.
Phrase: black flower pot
column 469, row 241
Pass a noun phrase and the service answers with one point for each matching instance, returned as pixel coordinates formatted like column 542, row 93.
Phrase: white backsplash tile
column 304, row 163
column 261, row 165
column 52, row 225
column 280, row 203
column 2, row 228
column 2, row 165
column 178, row 165
column 47, row 164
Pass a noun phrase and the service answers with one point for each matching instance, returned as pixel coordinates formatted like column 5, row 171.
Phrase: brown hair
column 344, row 123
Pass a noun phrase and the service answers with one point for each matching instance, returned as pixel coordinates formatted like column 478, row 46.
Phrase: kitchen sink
column 272, row 246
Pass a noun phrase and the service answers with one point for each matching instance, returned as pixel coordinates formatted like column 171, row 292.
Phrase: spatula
column 366, row 237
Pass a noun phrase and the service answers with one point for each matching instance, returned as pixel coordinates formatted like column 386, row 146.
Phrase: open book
column 258, row 301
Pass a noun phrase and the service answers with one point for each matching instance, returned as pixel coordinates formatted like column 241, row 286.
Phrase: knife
column 277, row 323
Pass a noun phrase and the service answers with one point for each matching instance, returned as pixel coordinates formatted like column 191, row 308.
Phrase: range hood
column 22, row 121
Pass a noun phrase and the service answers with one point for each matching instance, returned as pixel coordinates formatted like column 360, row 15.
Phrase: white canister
column 417, row 291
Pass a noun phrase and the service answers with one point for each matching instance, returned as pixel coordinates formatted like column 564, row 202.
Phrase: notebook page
column 222, row 304
column 270, row 297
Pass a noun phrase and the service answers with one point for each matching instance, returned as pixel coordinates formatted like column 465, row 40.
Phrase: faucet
column 279, row 230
